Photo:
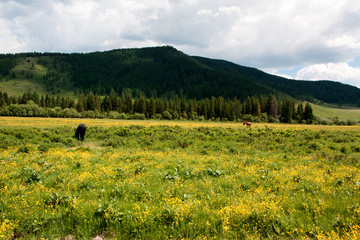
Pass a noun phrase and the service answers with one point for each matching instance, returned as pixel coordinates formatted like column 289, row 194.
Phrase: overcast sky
column 300, row 39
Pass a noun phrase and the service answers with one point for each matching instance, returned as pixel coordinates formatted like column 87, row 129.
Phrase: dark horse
column 80, row 132
column 248, row 124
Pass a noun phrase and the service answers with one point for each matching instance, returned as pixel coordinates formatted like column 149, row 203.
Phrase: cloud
column 75, row 25
column 332, row 71
column 279, row 34
column 10, row 42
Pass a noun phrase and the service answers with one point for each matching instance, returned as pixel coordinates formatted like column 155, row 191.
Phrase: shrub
column 201, row 118
column 166, row 115
column 24, row 149
column 44, row 147
column 113, row 142
column 123, row 116
column 113, row 115
column 248, row 118
column 23, row 110
column 323, row 121
column 70, row 113
column 264, row 117
column 175, row 115
column 351, row 122
column 122, row 132
column 138, row 116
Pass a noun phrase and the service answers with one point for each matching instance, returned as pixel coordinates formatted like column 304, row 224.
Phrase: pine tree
column 236, row 108
column 151, row 109
column 128, row 104
column 7, row 99
column 226, row 110
column 72, row 104
column 53, row 102
column 141, row 108
column 212, row 108
column 91, row 102
column 262, row 101
column 2, row 101
column 58, row 101
column 35, row 97
column 115, row 101
column 106, row 104
column 207, row 109
column 183, row 105
column 63, row 103
column 97, row 103
column 176, row 106
column 159, row 105
column 219, row 108
column 42, row 102
column 308, row 113
column 255, row 107
column 286, row 111
column 47, row 101
column 272, row 106
column 268, row 104
column 247, row 106
column 166, row 105
column 81, row 104
column 300, row 112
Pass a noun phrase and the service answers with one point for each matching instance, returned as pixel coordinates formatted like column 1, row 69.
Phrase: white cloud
column 332, row 71
column 9, row 42
column 274, row 71
column 279, row 34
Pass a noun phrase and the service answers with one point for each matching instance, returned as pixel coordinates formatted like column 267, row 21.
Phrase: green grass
column 18, row 86
column 178, row 182
column 29, row 76
column 332, row 110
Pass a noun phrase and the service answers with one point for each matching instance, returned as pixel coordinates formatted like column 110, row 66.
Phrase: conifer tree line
column 258, row 109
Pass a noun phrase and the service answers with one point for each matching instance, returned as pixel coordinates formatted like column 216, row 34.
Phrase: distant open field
column 330, row 111
column 73, row 122
column 178, row 180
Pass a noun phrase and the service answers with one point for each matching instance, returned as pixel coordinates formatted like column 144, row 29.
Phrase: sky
column 297, row 39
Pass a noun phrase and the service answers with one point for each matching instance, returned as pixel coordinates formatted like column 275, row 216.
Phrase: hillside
column 332, row 111
column 159, row 71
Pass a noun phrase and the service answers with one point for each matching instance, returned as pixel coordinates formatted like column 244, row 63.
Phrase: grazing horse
column 248, row 124
column 80, row 132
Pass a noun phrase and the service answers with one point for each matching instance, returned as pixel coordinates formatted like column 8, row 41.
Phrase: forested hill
column 161, row 71
column 326, row 91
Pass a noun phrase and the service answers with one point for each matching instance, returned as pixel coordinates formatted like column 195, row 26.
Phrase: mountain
column 161, row 71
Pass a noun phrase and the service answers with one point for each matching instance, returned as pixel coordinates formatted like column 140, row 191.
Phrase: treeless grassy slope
column 331, row 111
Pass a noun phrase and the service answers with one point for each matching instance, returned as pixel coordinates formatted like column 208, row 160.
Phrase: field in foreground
column 165, row 180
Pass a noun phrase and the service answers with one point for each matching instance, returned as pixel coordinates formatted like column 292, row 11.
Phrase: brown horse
column 248, row 124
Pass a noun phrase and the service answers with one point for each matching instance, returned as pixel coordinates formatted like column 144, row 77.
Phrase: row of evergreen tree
column 266, row 108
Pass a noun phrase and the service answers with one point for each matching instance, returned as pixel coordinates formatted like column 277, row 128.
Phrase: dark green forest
column 164, row 72
column 125, row 106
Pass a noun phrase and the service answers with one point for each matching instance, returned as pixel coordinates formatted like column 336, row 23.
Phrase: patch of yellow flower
column 352, row 234
column 7, row 229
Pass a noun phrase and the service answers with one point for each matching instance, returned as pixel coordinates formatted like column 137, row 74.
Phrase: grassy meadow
column 333, row 110
column 178, row 180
